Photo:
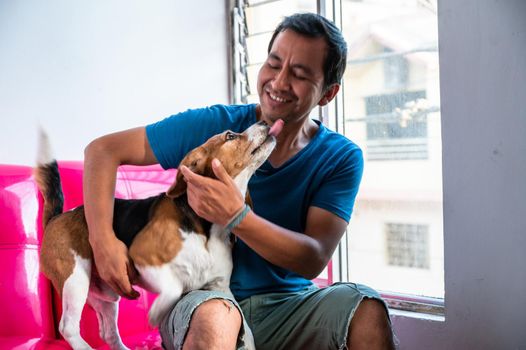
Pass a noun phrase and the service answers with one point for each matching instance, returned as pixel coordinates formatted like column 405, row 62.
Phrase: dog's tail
column 48, row 180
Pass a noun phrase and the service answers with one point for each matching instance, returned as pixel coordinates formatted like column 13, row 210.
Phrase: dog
column 173, row 250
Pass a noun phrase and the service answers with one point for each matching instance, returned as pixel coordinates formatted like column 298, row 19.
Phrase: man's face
column 291, row 81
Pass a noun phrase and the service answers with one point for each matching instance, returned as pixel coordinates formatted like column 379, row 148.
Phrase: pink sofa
column 30, row 309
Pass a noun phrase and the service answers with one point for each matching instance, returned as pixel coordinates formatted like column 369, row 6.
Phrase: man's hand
column 214, row 200
column 114, row 266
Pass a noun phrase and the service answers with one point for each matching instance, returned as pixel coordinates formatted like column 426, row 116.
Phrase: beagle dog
column 173, row 249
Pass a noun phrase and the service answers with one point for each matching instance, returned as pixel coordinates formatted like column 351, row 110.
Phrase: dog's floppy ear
column 248, row 200
column 196, row 161
column 178, row 187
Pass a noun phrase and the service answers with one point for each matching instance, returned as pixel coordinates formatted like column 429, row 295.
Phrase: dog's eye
column 230, row 136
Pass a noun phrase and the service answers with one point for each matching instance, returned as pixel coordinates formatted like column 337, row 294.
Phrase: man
column 303, row 198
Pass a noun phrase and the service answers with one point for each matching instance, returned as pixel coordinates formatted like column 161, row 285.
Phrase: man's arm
column 101, row 160
column 306, row 254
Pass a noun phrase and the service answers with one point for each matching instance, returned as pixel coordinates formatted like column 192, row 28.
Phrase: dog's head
column 241, row 154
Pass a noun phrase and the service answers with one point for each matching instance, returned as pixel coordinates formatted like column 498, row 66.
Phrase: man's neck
column 292, row 139
column 295, row 136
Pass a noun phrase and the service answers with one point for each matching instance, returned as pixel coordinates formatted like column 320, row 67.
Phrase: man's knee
column 215, row 324
column 372, row 311
column 371, row 325
column 219, row 309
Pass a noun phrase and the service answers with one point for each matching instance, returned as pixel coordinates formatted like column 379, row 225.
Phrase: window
column 389, row 105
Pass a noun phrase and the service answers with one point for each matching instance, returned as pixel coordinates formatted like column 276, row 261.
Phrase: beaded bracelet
column 238, row 218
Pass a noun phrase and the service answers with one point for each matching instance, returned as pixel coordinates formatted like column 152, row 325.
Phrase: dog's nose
column 262, row 122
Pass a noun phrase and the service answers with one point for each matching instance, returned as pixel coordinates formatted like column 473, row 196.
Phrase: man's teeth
column 276, row 98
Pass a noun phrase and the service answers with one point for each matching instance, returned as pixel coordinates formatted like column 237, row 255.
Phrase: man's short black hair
column 314, row 26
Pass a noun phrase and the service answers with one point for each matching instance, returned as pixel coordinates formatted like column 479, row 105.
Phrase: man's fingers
column 196, row 179
column 192, row 178
column 117, row 288
column 188, row 175
column 133, row 274
column 220, row 171
column 126, row 289
column 121, row 284
column 133, row 295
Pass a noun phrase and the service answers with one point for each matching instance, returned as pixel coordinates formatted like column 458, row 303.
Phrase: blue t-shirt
column 325, row 174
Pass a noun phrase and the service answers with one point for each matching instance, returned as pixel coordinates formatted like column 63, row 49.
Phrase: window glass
column 392, row 111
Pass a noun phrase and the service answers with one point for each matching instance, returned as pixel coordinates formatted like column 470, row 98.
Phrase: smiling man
column 303, row 198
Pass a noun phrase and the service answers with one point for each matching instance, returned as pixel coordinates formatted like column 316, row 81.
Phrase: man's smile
column 277, row 98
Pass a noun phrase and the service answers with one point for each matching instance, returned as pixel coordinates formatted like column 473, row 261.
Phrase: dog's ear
column 178, row 187
column 195, row 161
column 248, row 200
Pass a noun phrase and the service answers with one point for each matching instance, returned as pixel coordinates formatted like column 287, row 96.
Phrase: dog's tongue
column 276, row 128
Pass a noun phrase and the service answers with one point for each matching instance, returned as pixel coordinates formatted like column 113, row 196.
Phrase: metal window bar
column 240, row 59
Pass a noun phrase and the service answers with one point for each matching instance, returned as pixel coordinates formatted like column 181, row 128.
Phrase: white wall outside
column 85, row 68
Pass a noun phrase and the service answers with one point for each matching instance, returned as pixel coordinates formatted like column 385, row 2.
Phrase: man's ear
column 196, row 162
column 329, row 94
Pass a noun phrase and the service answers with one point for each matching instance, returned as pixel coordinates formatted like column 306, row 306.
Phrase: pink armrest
column 25, row 294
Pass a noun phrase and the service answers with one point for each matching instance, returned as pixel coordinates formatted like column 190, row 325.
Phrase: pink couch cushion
column 18, row 206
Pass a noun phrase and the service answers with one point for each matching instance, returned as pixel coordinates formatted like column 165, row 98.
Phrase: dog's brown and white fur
column 173, row 249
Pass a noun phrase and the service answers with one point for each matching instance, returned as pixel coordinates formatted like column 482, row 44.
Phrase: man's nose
column 282, row 80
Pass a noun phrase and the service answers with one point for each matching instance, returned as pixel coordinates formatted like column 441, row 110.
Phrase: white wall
column 482, row 48
column 85, row 68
